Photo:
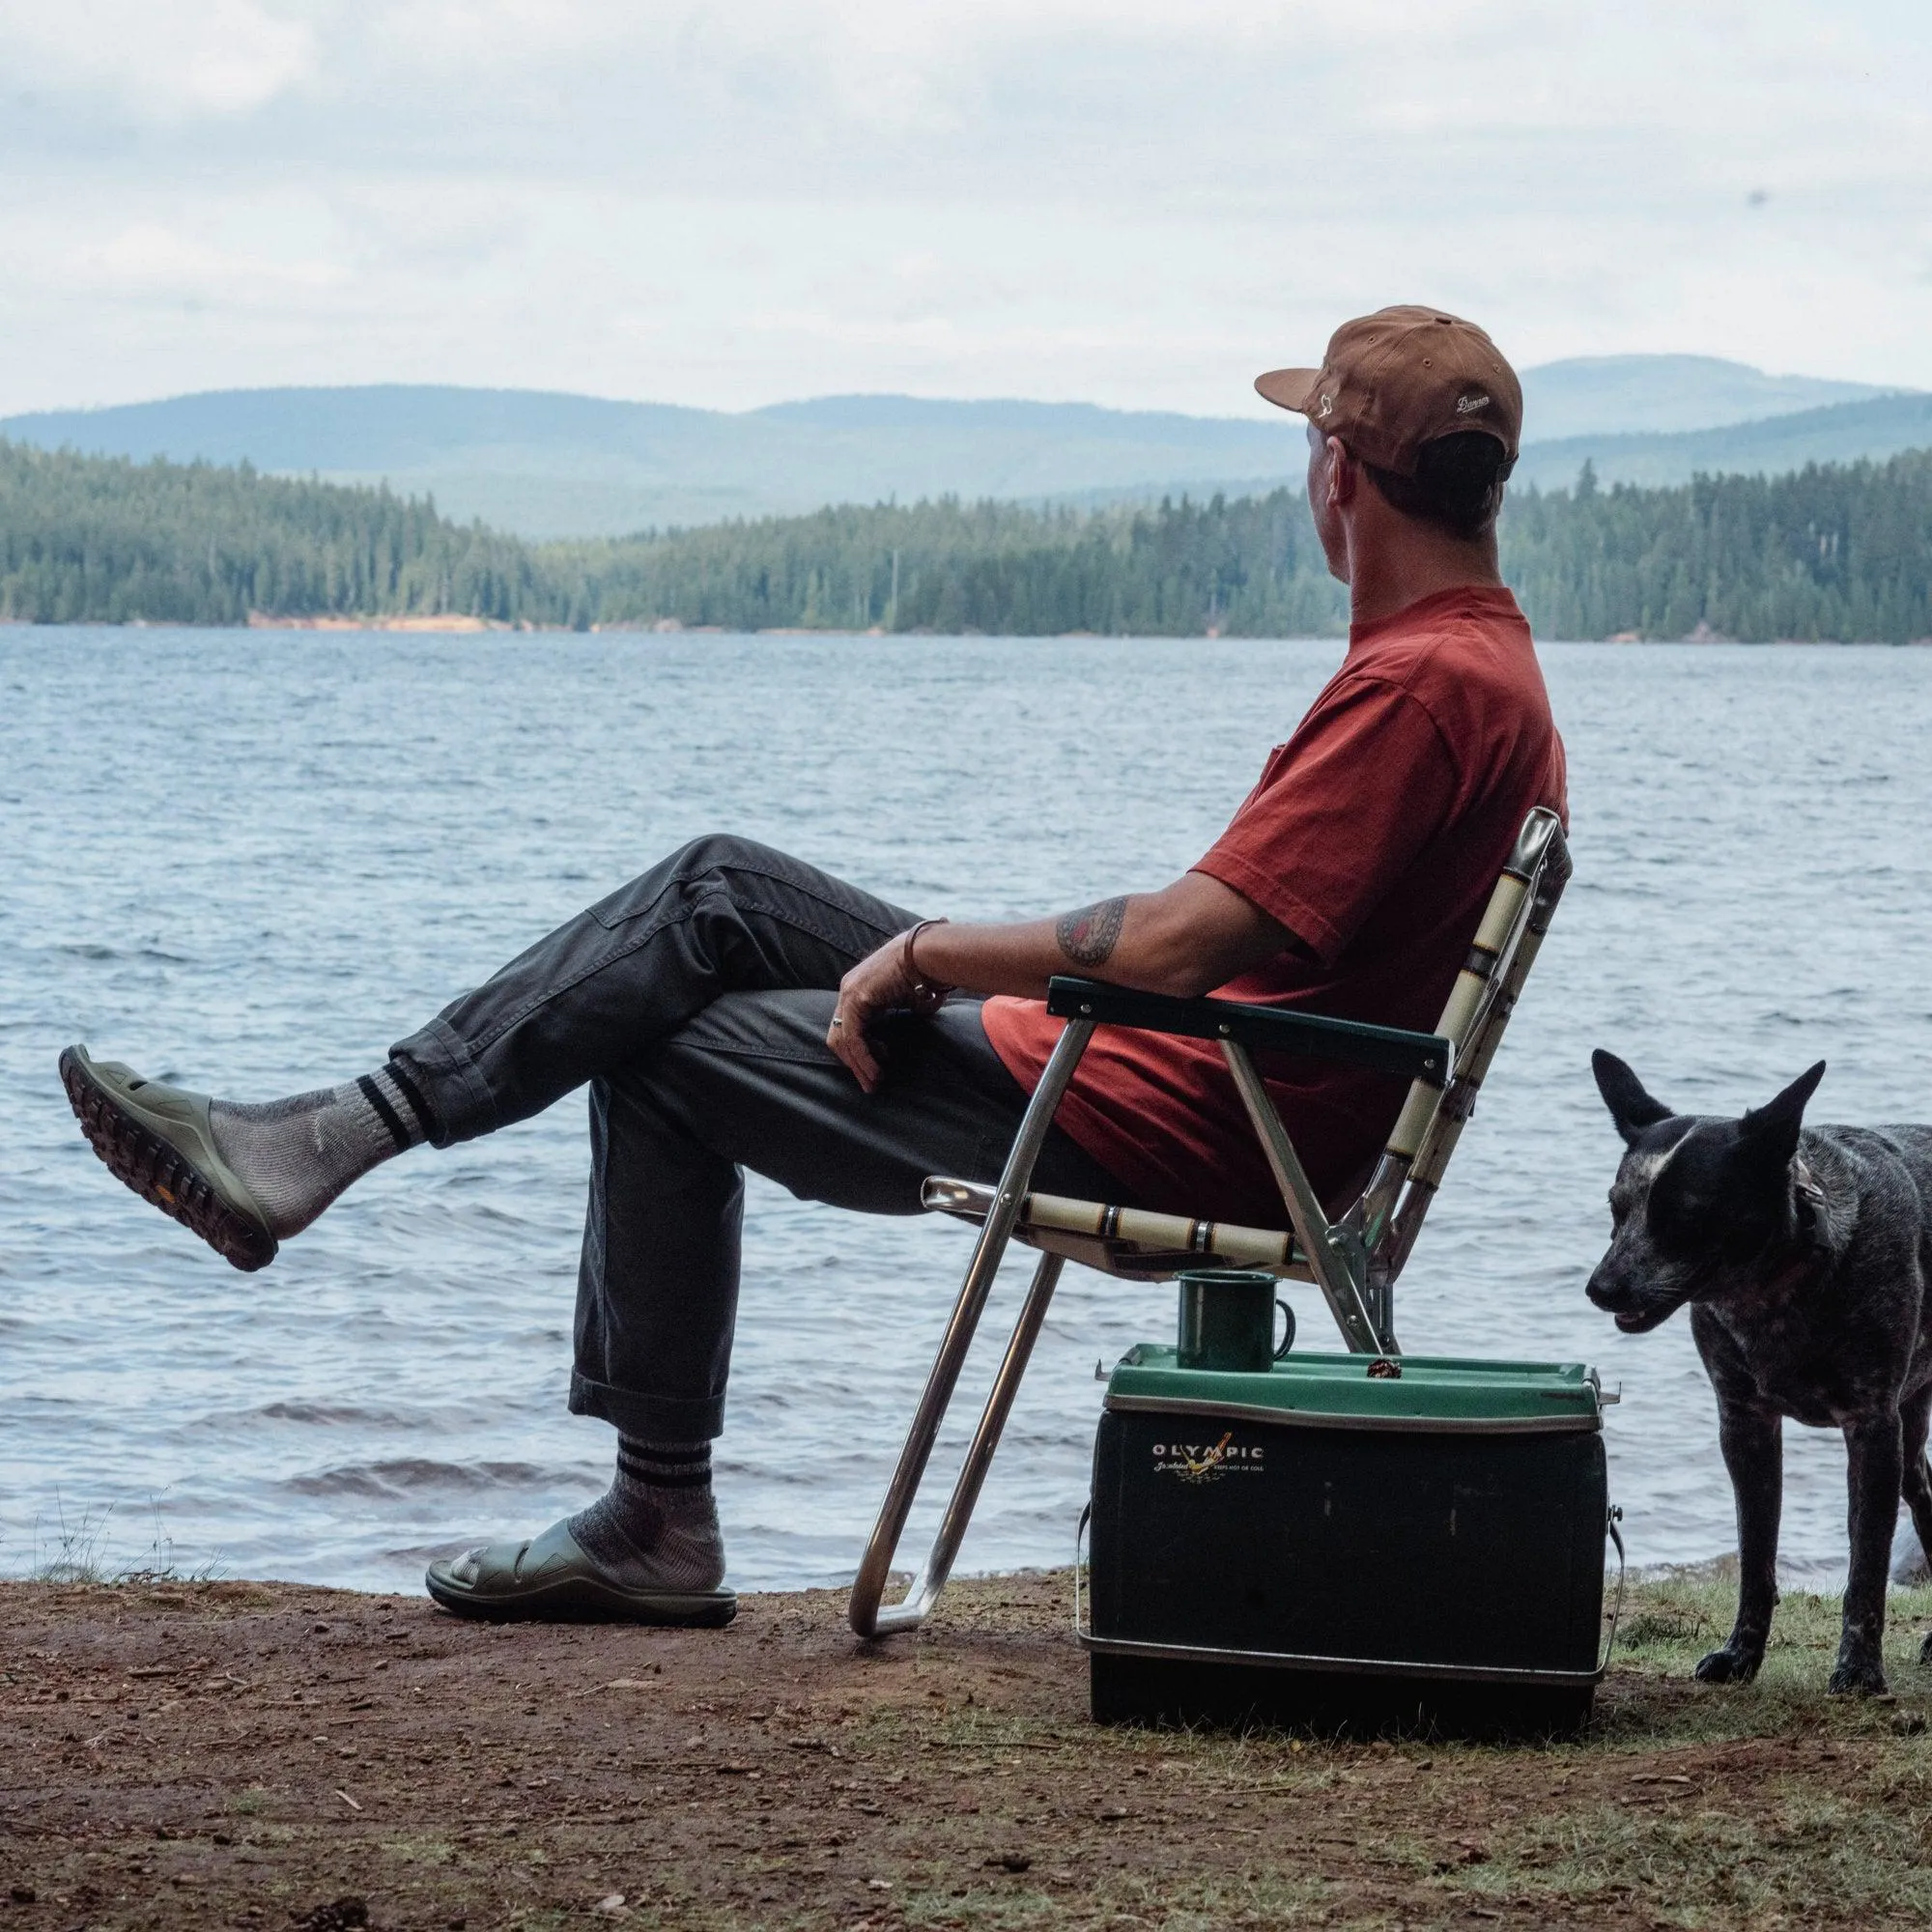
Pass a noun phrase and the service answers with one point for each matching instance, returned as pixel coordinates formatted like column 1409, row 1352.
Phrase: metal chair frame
column 1355, row 1259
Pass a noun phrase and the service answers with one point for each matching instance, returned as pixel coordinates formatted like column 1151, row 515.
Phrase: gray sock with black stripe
column 295, row 1156
column 656, row 1527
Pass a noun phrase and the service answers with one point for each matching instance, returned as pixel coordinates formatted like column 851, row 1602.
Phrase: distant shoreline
column 455, row 624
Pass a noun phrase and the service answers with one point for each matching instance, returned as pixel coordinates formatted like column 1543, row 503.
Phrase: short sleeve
column 1340, row 814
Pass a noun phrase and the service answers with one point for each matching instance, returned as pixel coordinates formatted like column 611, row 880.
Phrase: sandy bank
column 251, row 1754
column 440, row 621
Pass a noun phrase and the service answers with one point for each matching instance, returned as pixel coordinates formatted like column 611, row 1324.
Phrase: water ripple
column 279, row 857
column 411, row 1475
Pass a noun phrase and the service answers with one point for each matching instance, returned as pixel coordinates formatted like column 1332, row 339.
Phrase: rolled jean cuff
column 452, row 1082
column 660, row 1418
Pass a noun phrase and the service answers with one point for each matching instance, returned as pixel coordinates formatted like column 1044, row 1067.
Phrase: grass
column 1671, row 1621
column 1802, row 1859
column 1791, row 1808
column 76, row 1552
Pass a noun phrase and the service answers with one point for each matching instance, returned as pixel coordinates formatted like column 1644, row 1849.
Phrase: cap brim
column 1289, row 388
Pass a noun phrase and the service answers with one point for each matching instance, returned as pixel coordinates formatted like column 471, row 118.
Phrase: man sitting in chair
column 736, row 1008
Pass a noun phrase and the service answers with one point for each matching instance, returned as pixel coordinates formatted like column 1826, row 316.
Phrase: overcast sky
column 1131, row 203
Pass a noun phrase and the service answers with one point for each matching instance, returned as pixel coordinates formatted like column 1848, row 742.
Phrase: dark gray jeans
column 694, row 1001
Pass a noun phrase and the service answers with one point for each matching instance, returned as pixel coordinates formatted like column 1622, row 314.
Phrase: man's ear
column 1772, row 1130
column 1631, row 1107
column 1343, row 479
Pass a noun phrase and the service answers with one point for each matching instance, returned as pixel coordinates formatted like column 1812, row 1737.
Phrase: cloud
column 154, row 61
column 1135, row 201
column 151, row 261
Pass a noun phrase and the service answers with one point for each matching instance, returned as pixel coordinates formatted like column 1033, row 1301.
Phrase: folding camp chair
column 1354, row 1261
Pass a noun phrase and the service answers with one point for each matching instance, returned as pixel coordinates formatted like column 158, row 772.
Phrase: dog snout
column 1609, row 1286
column 1636, row 1298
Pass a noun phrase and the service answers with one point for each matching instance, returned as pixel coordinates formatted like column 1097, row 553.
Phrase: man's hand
column 1187, row 939
column 878, row 984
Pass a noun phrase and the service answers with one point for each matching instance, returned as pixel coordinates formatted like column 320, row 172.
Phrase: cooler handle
column 1610, row 1522
column 1080, row 1629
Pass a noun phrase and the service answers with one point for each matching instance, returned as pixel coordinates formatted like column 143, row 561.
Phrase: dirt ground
column 268, row 1755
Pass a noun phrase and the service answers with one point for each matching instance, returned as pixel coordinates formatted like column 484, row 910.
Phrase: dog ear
column 1631, row 1107
column 1772, row 1129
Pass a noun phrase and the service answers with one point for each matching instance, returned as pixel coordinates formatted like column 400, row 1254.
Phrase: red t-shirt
column 1375, row 835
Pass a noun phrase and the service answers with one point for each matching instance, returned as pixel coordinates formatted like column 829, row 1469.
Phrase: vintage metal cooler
column 1332, row 1541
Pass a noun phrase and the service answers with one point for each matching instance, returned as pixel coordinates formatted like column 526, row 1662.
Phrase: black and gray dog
column 1805, row 1254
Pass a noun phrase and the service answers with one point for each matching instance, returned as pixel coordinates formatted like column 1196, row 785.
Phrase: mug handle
column 1288, row 1330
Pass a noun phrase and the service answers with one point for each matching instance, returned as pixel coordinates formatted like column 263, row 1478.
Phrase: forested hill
column 87, row 539
column 1839, row 552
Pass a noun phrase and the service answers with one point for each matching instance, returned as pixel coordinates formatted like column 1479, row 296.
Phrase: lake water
column 250, row 861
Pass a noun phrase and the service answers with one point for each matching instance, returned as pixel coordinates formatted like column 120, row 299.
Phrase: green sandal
column 159, row 1141
column 550, row 1580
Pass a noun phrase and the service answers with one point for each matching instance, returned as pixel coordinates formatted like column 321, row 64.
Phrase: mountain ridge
column 1842, row 431
column 553, row 463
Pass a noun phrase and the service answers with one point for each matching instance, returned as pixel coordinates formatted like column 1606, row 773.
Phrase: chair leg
column 938, row 1564
column 869, row 1587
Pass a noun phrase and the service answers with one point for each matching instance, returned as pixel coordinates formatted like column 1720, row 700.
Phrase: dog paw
column 1728, row 1666
column 1857, row 1677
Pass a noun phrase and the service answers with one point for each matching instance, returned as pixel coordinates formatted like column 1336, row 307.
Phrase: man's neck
column 1387, row 577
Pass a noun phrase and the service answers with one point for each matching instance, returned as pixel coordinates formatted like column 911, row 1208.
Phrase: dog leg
column 1915, row 1415
column 1874, row 1452
column 1752, row 1440
column 1910, row 1570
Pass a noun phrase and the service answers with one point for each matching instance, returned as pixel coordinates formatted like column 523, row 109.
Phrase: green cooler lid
column 1432, row 1392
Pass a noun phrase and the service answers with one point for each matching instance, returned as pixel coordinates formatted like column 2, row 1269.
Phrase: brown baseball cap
column 1395, row 380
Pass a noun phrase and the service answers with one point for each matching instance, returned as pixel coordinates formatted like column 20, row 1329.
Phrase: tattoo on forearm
column 1086, row 937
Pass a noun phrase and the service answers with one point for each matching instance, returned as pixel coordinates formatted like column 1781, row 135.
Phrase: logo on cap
column 1469, row 405
column 1328, row 406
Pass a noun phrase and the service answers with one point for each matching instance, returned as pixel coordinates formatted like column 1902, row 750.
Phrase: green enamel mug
column 1227, row 1322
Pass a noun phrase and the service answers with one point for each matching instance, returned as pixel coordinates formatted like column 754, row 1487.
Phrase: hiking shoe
column 159, row 1141
column 549, row 1578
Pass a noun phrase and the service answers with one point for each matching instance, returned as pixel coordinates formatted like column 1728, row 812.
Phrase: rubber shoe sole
column 549, row 1578
column 139, row 1155
column 582, row 1600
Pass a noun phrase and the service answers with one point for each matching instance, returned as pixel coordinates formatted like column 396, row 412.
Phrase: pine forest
column 1840, row 553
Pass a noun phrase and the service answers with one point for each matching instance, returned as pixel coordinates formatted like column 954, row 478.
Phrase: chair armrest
column 1419, row 1056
